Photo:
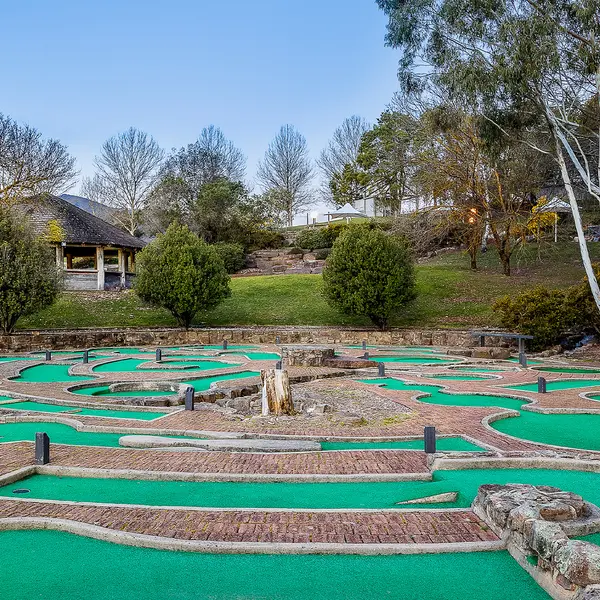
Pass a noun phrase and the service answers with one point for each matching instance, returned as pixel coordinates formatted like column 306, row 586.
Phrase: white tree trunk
column 585, row 255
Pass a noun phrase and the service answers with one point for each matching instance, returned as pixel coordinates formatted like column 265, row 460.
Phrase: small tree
column 29, row 279
column 181, row 273
column 370, row 274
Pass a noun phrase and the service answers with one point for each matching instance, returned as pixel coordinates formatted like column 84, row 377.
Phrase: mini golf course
column 561, row 384
column 131, row 365
column 416, row 360
column 76, row 568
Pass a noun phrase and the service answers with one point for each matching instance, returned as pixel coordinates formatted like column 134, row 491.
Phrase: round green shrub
column 180, row 272
column 295, row 250
column 322, row 254
column 232, row 255
column 29, row 279
column 369, row 273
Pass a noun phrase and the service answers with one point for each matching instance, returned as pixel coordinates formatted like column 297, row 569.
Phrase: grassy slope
column 450, row 295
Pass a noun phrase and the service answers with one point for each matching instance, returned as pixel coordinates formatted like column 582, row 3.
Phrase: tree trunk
column 585, row 255
column 277, row 393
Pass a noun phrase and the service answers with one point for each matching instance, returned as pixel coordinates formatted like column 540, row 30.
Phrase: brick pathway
column 268, row 526
column 321, row 463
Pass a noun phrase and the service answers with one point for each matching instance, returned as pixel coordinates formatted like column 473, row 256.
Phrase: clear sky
column 82, row 71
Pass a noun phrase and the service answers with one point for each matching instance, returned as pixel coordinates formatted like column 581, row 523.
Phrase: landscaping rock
column 579, row 562
column 306, row 356
column 545, row 538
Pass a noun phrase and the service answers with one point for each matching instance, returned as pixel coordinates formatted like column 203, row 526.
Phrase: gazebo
column 555, row 205
column 347, row 211
column 93, row 254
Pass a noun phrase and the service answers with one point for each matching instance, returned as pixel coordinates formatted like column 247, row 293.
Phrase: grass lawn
column 450, row 295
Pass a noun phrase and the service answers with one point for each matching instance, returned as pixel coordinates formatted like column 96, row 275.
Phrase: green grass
column 450, row 295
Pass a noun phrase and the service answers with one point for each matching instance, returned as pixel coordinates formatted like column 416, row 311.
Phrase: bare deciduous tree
column 341, row 150
column 286, row 172
column 30, row 164
column 127, row 169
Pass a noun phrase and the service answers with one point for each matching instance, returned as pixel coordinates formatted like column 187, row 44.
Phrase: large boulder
column 579, row 562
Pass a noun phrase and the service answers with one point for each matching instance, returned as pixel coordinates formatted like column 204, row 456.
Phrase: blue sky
column 83, row 71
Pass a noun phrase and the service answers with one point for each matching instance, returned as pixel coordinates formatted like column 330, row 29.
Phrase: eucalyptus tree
column 530, row 67
column 30, row 164
column 340, row 155
column 286, row 172
column 126, row 172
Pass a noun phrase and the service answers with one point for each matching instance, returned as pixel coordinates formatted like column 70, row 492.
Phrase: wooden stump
column 276, row 392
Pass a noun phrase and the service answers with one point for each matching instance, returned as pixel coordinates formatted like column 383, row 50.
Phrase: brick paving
column 268, row 526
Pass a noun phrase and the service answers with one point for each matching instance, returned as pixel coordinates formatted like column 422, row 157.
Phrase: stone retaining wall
column 92, row 338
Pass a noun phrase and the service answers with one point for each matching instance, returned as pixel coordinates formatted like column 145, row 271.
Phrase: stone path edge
column 208, row 547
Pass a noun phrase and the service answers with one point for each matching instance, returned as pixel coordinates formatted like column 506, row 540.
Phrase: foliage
column 322, row 254
column 232, row 255
column 180, row 272
column 285, row 173
column 314, row 238
column 539, row 312
column 29, row 279
column 339, row 158
column 54, row 231
column 126, row 172
column 29, row 164
column 370, row 274
column 222, row 211
column 550, row 314
column 295, row 250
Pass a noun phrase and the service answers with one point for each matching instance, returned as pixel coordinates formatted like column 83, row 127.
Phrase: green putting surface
column 62, row 434
column 443, row 444
column 593, row 538
column 103, row 390
column 13, row 358
column 62, row 565
column 483, row 369
column 201, row 384
column 567, row 370
column 229, row 347
column 574, row 431
column 254, row 355
column 129, row 365
column 76, row 410
column 48, row 373
column 438, row 396
column 563, row 384
column 127, row 350
column 415, row 360
column 359, row 495
column 458, row 377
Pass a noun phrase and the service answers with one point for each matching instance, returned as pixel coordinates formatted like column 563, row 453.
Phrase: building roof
column 91, row 206
column 76, row 225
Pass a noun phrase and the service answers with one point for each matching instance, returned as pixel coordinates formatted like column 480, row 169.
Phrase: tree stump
column 276, row 392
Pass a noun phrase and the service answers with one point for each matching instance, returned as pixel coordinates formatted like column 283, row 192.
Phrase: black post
column 541, row 385
column 523, row 359
column 364, row 344
column 224, row 344
column 158, row 355
column 279, row 365
column 482, row 340
column 48, row 355
column 429, row 435
column 86, row 357
column 278, row 340
column 366, row 356
column 381, row 369
column 42, row 448
column 189, row 398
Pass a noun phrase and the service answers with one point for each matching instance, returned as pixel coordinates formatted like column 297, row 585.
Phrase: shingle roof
column 79, row 226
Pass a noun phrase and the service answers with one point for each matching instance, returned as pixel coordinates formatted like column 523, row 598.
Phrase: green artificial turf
column 76, row 410
column 48, row 373
column 53, row 565
column 444, row 444
column 562, row 384
column 298, row 495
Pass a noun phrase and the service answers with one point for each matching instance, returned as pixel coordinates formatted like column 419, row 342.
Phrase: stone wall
column 93, row 338
column 538, row 524
column 281, row 262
